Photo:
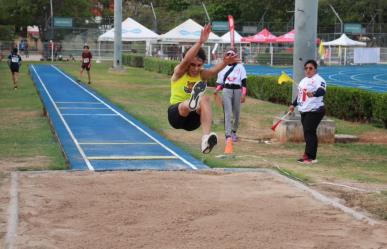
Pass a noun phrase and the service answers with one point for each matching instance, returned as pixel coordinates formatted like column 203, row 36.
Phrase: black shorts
column 14, row 68
column 86, row 66
column 189, row 123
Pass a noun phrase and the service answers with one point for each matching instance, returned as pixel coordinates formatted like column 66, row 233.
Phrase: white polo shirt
column 235, row 77
column 305, row 103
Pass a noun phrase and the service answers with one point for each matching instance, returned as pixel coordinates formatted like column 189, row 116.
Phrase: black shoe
column 89, row 82
column 197, row 92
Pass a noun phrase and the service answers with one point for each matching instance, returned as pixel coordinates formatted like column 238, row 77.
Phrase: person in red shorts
column 86, row 62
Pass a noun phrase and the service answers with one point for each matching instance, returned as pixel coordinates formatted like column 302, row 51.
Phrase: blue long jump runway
column 96, row 135
column 367, row 77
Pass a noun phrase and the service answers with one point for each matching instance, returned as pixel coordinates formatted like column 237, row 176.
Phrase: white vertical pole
column 99, row 52
column 117, row 34
column 209, row 54
column 330, row 55
column 305, row 26
column 52, row 50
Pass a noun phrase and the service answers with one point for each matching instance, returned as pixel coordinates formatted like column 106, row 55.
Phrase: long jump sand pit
column 168, row 210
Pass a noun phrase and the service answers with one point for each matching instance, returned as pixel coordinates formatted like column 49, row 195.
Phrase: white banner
column 366, row 55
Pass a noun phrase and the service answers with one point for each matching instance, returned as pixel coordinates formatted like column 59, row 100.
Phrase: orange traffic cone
column 228, row 149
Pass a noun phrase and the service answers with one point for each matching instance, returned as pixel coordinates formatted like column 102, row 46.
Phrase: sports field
column 217, row 209
column 112, row 134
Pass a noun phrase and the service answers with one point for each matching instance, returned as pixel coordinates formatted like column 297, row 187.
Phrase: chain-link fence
column 254, row 53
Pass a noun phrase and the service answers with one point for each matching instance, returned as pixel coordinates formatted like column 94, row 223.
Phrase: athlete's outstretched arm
column 191, row 53
column 213, row 71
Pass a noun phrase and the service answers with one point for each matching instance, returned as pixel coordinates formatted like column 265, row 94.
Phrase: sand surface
column 167, row 210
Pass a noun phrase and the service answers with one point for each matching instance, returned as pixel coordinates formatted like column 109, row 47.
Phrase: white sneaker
column 208, row 142
column 197, row 92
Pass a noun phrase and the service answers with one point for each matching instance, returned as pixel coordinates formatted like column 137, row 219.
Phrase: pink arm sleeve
column 219, row 88
column 244, row 91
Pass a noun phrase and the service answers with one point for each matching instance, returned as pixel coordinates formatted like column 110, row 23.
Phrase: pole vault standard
column 117, row 34
column 305, row 26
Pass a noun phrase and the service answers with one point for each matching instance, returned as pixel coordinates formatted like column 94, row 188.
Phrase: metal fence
column 263, row 54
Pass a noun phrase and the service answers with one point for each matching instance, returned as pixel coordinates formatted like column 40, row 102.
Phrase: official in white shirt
column 232, row 80
column 310, row 103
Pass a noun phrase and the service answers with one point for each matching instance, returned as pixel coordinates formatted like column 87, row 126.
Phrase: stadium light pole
column 206, row 12
column 338, row 17
column 305, row 26
column 52, row 20
column 117, row 34
column 154, row 19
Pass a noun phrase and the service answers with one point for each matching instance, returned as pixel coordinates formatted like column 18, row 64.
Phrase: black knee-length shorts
column 189, row 123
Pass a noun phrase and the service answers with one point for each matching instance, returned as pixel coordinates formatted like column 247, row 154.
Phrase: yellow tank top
column 181, row 88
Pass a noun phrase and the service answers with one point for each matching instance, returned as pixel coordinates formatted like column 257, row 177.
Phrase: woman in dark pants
column 310, row 103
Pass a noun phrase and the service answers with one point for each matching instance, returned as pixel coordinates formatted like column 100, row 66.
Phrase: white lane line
column 113, row 143
column 131, row 157
column 354, row 77
column 80, row 102
column 13, row 216
column 65, row 123
column 376, row 77
column 127, row 120
column 83, row 108
column 332, row 75
column 90, row 114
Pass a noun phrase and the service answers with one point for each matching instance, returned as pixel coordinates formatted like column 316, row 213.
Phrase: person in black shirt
column 14, row 63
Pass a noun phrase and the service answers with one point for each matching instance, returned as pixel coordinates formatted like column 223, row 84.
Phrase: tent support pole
column 209, row 53
column 99, row 52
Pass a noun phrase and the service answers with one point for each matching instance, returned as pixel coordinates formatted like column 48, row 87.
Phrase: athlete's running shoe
column 208, row 142
column 197, row 92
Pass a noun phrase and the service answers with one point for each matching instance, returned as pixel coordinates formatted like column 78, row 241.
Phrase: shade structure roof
column 345, row 42
column 264, row 36
column 287, row 38
column 227, row 39
column 131, row 31
column 188, row 31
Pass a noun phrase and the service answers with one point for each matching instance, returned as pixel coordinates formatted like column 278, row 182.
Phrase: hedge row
column 266, row 88
column 356, row 105
column 160, row 66
column 133, row 60
column 341, row 102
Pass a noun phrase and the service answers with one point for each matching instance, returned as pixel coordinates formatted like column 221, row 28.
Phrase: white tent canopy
column 227, row 39
column 131, row 31
column 188, row 31
column 344, row 41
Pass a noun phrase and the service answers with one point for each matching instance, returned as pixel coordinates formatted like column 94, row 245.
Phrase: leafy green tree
column 22, row 13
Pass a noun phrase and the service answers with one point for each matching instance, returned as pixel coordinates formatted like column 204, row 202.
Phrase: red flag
column 231, row 27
